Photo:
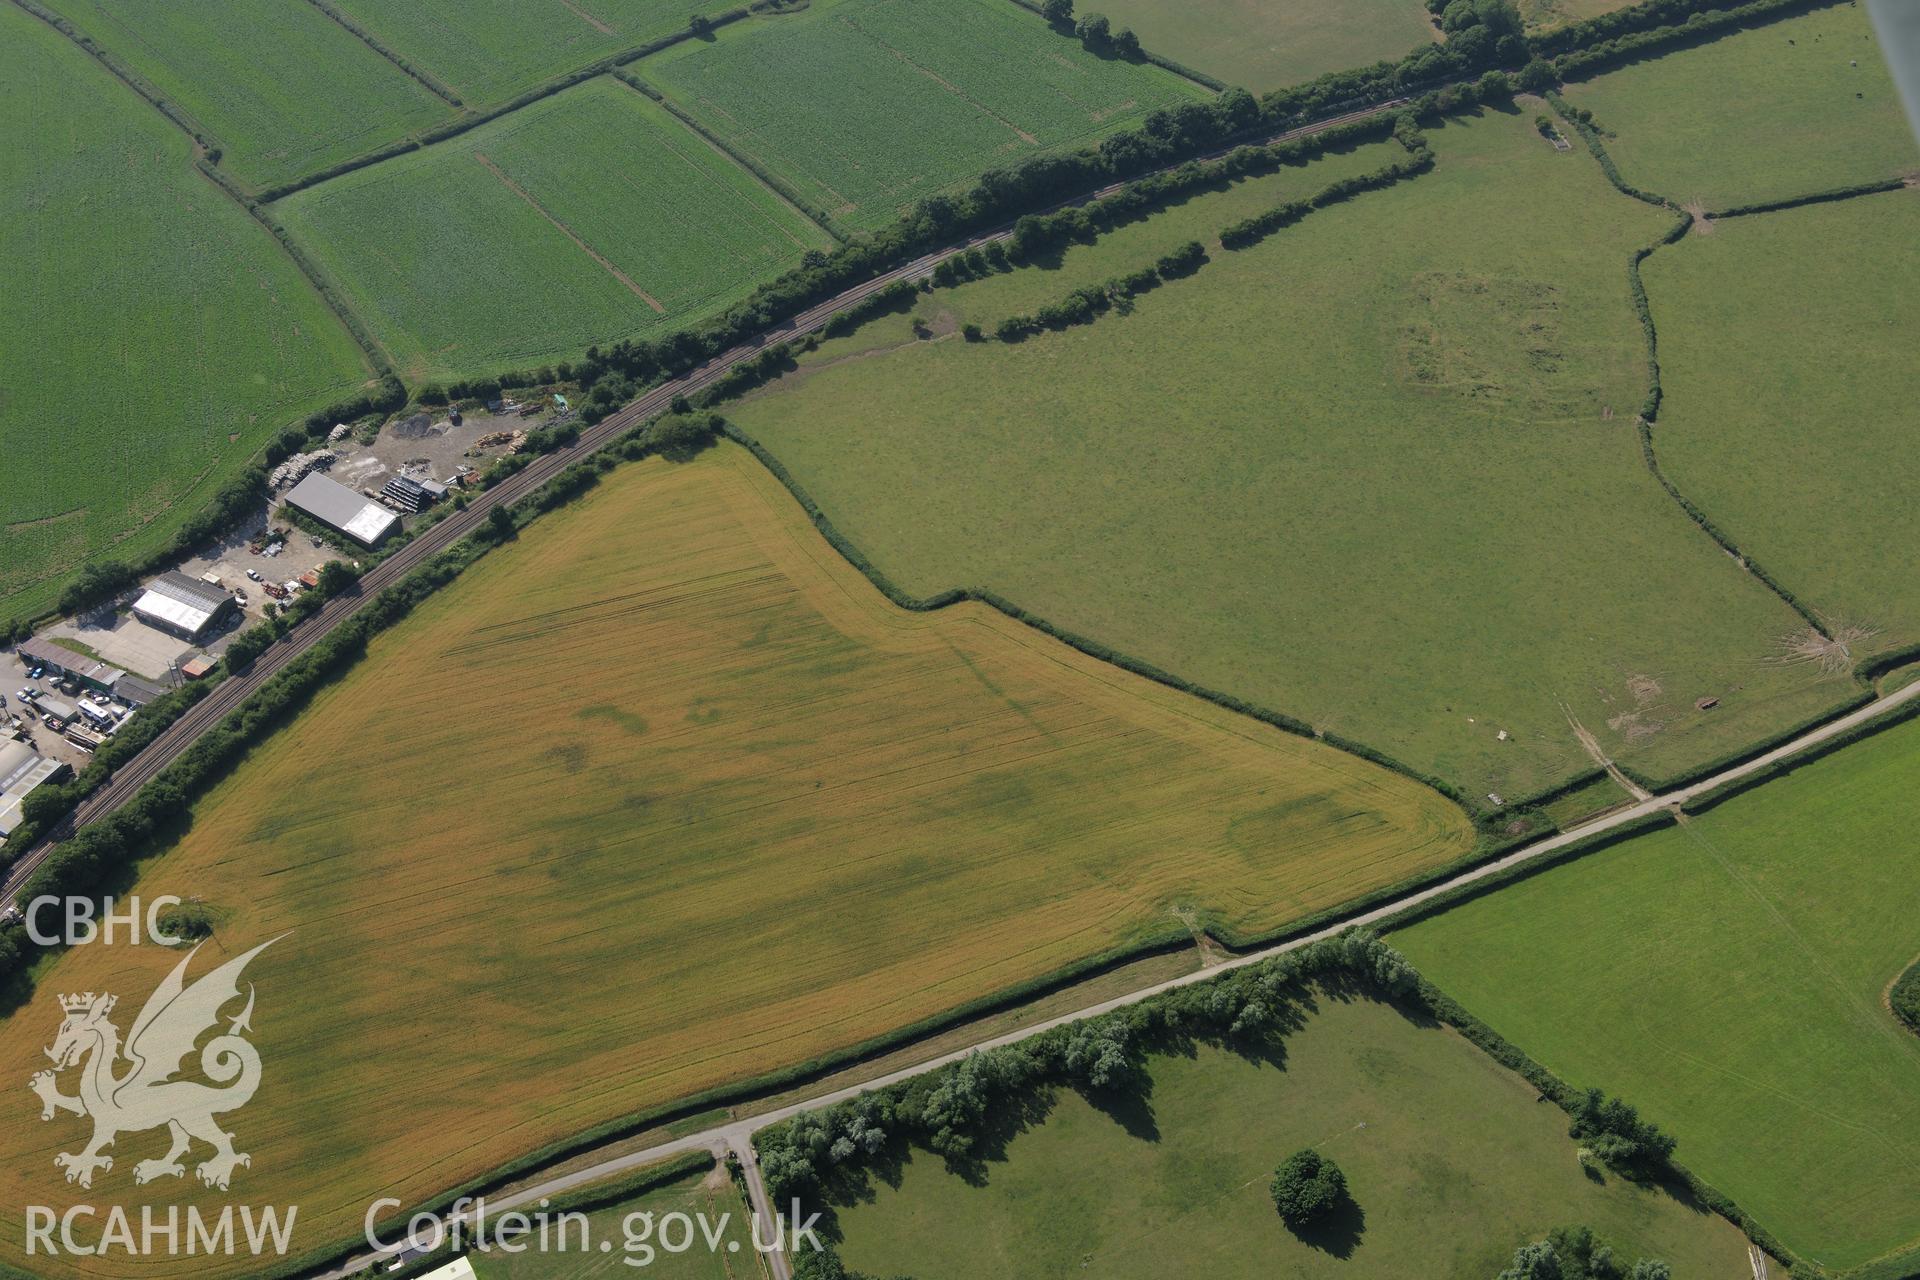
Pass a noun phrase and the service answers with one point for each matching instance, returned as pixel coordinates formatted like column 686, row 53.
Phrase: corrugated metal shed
column 332, row 503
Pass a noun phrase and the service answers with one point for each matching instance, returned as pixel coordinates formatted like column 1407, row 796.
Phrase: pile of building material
column 295, row 469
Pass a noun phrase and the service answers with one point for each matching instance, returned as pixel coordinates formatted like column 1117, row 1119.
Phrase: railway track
column 233, row 691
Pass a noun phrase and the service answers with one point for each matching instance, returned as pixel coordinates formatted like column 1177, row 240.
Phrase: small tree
column 1058, row 12
column 1125, row 43
column 1094, row 31
column 699, row 24
column 1538, row 76
column 1306, row 1188
column 1536, row 1261
column 679, row 436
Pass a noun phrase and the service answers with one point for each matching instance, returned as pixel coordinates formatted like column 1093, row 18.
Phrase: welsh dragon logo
column 145, row 1095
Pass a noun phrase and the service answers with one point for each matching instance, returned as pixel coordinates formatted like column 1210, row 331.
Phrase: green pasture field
column 1262, row 46
column 1197, row 216
column 1760, row 115
column 864, row 106
column 155, row 335
column 636, row 1244
column 588, row 216
column 1585, row 801
column 282, row 88
column 1379, row 472
column 487, row 51
column 1729, row 977
column 1787, row 365
column 1451, row 1159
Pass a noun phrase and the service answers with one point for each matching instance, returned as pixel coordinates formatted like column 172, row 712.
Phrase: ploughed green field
column 1259, row 45
column 1787, row 363
column 487, row 51
column 1729, row 977
column 1452, row 1160
column 154, row 334
column 588, row 216
column 281, row 88
column 864, row 106
column 1759, row 115
column 1416, row 514
column 632, row 1227
column 666, row 796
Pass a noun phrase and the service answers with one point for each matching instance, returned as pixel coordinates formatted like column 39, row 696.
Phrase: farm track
column 232, row 692
column 736, row 1136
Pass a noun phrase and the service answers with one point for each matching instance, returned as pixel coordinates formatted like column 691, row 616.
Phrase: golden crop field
column 666, row 795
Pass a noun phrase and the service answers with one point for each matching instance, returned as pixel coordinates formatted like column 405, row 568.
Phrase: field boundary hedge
column 1185, row 72
column 1650, row 406
column 1828, row 196
column 429, row 83
column 940, row 1110
column 1800, row 759
column 1089, row 303
column 175, row 114
column 766, row 177
column 1706, row 22
column 1092, row 648
column 472, row 119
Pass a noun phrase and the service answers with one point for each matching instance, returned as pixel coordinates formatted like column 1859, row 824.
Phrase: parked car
column 25, row 695
column 36, row 673
column 254, row 574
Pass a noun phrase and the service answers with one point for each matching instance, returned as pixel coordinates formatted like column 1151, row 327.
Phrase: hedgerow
column 819, row 1154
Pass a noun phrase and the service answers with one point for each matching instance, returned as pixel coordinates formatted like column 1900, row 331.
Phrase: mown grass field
column 1786, row 355
column 1729, row 977
column 713, row 1195
column 588, row 216
column 1263, row 46
column 487, row 51
column 1756, row 116
column 155, row 335
column 282, row 88
column 667, row 796
column 1418, row 517
column 864, row 106
column 1452, row 1160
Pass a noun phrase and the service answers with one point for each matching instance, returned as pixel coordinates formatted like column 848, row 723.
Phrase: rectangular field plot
column 1260, row 45
column 1451, row 1160
column 1729, row 977
column 864, row 106
column 589, row 216
column 680, row 799
column 154, row 335
column 1328, row 474
column 1790, row 392
column 487, row 51
column 284, row 89
column 1783, row 110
